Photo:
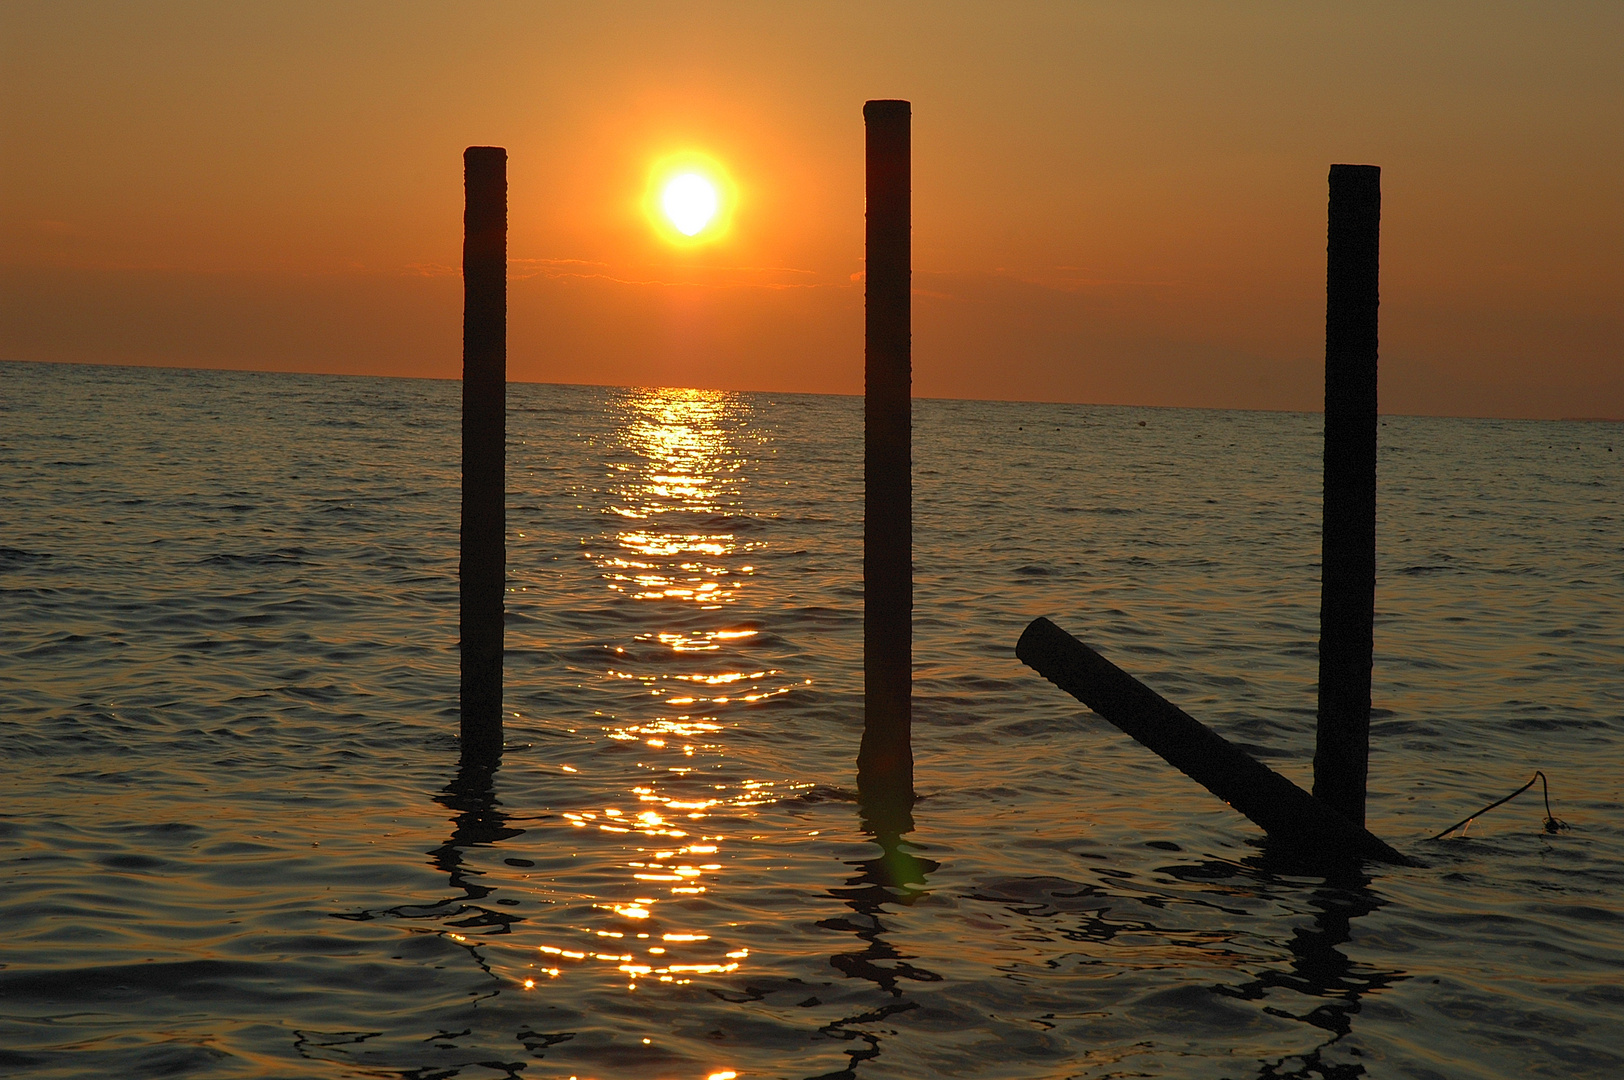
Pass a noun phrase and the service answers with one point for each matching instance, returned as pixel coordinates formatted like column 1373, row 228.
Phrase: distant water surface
column 237, row 843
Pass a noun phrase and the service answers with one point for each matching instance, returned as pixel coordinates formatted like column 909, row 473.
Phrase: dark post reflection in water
column 471, row 795
column 895, row 876
column 477, row 821
column 1319, row 969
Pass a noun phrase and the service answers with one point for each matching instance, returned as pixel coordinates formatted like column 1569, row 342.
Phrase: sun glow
column 689, row 199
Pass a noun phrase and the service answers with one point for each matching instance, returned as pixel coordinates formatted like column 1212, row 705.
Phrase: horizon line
column 807, row 393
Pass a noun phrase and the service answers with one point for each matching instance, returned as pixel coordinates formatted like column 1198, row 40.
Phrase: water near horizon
column 237, row 843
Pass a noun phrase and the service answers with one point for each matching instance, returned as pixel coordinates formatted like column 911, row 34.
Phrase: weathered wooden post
column 1348, row 545
column 483, row 569
column 885, row 759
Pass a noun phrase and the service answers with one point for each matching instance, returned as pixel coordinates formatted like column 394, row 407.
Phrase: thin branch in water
column 1552, row 824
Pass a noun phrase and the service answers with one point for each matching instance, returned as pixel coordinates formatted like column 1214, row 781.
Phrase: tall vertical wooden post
column 885, row 759
column 1348, row 552
column 483, row 569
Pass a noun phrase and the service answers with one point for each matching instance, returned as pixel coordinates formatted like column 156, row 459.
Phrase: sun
column 690, row 199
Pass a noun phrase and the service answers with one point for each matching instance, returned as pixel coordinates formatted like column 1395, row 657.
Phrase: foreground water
column 236, row 842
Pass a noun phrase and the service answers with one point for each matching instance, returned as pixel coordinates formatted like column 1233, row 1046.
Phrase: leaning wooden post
column 483, row 569
column 1282, row 809
column 885, row 759
column 1348, row 551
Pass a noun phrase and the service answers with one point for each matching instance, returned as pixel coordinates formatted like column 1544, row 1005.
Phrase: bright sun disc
column 690, row 202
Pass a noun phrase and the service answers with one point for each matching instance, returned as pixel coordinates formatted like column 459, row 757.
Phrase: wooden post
column 1282, row 809
column 483, row 569
column 1348, row 544
column 885, row 759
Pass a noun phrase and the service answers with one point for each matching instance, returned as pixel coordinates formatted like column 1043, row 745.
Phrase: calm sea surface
column 236, row 841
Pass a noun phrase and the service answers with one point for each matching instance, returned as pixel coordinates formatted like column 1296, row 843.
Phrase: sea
column 239, row 841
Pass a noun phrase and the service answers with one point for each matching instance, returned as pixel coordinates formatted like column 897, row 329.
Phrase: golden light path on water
column 675, row 554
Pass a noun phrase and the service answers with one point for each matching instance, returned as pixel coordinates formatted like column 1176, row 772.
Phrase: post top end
column 886, row 109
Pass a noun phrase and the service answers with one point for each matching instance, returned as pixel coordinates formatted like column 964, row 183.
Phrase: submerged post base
column 1285, row 811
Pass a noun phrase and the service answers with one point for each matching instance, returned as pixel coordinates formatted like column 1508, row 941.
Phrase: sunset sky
column 1113, row 202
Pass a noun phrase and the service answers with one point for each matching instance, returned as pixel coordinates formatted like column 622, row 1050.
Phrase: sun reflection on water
column 678, row 548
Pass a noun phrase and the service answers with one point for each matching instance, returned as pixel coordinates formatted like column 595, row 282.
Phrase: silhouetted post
column 885, row 760
column 483, row 571
column 1348, row 544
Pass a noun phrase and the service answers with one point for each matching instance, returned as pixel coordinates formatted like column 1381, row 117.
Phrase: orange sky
column 1119, row 203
